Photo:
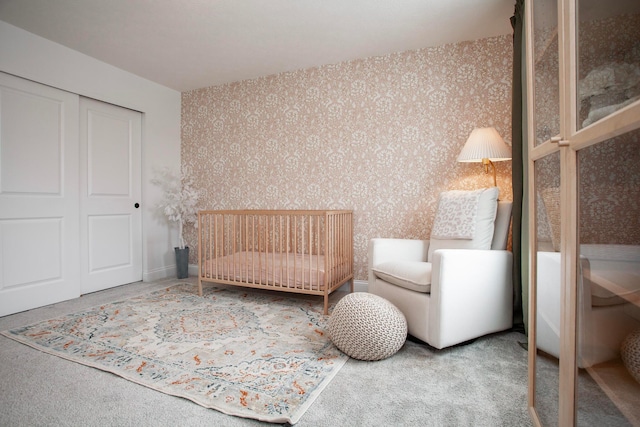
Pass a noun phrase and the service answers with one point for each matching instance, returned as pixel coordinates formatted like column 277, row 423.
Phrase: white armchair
column 448, row 295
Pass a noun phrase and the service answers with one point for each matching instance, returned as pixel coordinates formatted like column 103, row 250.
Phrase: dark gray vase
column 182, row 262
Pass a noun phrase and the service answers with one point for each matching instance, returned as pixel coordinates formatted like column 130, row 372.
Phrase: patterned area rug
column 249, row 354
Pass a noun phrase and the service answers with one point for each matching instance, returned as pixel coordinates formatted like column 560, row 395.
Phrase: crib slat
column 302, row 246
column 225, row 228
column 281, row 241
column 295, row 249
column 308, row 250
column 215, row 246
column 318, row 231
column 211, row 246
column 246, row 245
column 253, row 247
column 288, row 247
column 199, row 255
column 265, row 250
column 258, row 248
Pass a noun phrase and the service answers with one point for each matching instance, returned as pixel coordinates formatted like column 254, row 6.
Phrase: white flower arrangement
column 180, row 199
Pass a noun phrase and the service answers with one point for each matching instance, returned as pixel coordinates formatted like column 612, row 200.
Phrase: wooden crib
column 306, row 252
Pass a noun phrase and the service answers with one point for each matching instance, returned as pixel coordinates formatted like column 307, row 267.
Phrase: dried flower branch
column 180, row 199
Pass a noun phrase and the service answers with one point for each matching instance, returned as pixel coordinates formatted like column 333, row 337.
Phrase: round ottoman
column 630, row 352
column 367, row 327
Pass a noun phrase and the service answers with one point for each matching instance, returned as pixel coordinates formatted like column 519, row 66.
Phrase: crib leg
column 199, row 286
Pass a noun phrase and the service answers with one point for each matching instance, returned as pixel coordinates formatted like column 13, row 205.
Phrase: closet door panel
column 111, row 218
column 39, row 207
column 109, row 150
column 31, row 141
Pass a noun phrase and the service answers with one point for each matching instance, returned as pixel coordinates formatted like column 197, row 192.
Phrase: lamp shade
column 485, row 143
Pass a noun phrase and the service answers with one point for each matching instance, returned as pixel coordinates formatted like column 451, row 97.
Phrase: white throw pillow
column 413, row 275
column 464, row 220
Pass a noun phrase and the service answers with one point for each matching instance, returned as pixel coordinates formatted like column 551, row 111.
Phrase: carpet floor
column 483, row 383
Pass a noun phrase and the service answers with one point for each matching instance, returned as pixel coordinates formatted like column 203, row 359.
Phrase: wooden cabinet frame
column 571, row 141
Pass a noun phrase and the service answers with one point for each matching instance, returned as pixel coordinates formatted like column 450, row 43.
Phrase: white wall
column 32, row 57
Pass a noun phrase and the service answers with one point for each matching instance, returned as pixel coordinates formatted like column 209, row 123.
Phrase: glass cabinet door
column 584, row 193
column 545, row 296
column 548, row 288
column 608, row 309
column 607, row 145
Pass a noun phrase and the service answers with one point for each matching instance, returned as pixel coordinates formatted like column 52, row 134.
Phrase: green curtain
column 517, row 22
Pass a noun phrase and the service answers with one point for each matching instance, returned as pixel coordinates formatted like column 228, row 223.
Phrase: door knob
column 137, row 205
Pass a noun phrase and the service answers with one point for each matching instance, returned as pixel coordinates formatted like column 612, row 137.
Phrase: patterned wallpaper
column 379, row 136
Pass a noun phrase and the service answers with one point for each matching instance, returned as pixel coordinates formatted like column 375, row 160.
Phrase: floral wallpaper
column 378, row 136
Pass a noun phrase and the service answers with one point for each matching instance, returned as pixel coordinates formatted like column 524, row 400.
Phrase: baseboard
column 360, row 286
column 161, row 273
column 193, row 270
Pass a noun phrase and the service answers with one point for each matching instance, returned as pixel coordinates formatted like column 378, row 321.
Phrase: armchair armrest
column 471, row 292
column 383, row 250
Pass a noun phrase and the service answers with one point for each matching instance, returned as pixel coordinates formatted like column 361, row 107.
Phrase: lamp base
column 486, row 163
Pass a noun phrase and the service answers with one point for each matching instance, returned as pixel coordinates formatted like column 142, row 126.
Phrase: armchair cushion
column 413, row 275
column 464, row 220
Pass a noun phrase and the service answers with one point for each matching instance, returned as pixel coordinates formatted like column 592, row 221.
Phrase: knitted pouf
column 367, row 327
column 630, row 352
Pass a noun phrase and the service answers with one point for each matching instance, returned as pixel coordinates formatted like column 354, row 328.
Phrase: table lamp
column 487, row 146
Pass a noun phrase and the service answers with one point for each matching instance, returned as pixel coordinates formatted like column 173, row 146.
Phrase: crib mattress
column 287, row 270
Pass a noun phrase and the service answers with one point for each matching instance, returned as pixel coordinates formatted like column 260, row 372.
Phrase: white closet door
column 110, row 190
column 39, row 208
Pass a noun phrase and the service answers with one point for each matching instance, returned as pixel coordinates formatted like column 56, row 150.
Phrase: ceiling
column 190, row 44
